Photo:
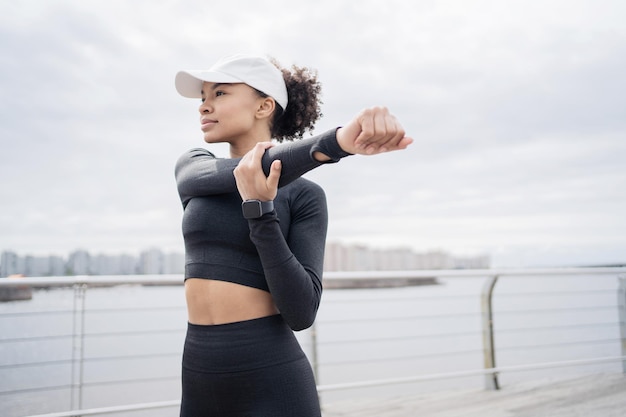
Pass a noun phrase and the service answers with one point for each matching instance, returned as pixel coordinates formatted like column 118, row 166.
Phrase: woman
column 255, row 232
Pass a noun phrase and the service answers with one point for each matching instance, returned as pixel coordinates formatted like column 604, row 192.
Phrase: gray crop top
column 283, row 251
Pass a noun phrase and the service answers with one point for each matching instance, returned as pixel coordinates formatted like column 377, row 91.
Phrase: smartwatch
column 253, row 209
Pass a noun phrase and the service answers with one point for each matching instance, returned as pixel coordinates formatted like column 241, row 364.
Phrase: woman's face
column 227, row 112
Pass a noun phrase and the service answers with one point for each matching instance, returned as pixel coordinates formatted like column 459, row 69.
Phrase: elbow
column 301, row 325
column 301, row 321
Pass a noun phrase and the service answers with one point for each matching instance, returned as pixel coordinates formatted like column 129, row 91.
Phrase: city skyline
column 83, row 262
column 339, row 257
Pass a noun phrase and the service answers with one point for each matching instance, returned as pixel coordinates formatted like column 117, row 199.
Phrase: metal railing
column 490, row 371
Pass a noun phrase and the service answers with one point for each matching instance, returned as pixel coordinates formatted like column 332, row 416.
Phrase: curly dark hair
column 303, row 108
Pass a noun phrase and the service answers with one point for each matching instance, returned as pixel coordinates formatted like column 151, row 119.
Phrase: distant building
column 151, row 262
column 341, row 257
column 79, row 263
column 10, row 264
column 105, row 265
column 36, row 266
column 128, row 265
column 57, row 266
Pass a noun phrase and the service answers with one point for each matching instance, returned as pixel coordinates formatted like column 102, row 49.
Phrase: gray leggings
column 251, row 368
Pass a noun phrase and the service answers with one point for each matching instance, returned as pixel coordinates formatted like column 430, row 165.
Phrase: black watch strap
column 253, row 209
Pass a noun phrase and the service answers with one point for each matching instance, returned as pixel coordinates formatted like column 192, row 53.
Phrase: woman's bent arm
column 199, row 173
column 293, row 266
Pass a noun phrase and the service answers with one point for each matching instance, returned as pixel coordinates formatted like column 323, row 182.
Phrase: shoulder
column 197, row 153
column 193, row 155
column 304, row 196
column 304, row 187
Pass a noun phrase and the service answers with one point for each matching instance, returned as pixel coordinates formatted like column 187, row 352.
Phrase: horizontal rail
column 475, row 372
column 396, row 298
column 400, row 338
column 560, row 327
column 91, row 335
column 400, row 318
column 457, row 273
column 115, row 409
column 352, row 385
column 177, row 279
column 92, row 311
column 402, row 358
column 38, row 389
column 94, row 280
column 92, row 384
column 459, row 314
column 557, row 344
column 555, row 310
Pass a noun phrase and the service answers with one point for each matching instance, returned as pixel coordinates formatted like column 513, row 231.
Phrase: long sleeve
column 293, row 266
column 199, row 173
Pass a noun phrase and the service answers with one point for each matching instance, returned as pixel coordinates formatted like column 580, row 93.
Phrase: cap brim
column 189, row 83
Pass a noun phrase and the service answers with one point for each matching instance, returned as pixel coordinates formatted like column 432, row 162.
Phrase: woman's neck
column 241, row 146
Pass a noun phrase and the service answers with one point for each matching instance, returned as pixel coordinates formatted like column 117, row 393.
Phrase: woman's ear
column 266, row 108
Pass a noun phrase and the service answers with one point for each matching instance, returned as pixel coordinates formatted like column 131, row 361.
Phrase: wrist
column 328, row 149
column 253, row 209
column 346, row 136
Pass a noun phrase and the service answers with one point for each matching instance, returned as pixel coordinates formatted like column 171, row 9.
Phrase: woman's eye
column 219, row 93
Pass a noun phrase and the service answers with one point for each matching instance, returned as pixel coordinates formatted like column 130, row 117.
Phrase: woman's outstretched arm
column 372, row 131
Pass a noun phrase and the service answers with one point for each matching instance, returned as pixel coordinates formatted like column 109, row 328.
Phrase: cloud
column 517, row 108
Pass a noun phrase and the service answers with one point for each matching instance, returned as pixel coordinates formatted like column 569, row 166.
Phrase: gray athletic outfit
column 283, row 253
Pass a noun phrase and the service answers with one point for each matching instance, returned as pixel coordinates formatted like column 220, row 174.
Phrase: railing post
column 621, row 306
column 314, row 359
column 489, row 354
column 78, row 346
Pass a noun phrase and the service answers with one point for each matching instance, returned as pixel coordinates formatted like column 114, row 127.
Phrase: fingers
column 252, row 158
column 251, row 161
column 274, row 177
column 380, row 132
column 252, row 183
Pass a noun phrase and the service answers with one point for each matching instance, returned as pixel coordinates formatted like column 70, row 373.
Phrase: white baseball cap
column 255, row 71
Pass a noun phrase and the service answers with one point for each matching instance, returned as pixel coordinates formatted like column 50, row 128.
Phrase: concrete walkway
column 588, row 396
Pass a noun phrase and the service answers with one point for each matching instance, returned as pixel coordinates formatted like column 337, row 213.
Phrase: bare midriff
column 219, row 302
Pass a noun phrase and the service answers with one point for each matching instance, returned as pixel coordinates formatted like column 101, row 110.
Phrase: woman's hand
column 371, row 132
column 251, row 180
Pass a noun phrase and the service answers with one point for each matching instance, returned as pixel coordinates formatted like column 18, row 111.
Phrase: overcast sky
column 518, row 110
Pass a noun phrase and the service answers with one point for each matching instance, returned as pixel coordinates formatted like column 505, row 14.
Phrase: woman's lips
column 207, row 123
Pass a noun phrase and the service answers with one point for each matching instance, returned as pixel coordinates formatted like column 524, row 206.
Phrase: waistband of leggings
column 240, row 346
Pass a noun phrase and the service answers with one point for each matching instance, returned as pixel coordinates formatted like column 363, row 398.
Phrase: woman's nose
column 205, row 107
